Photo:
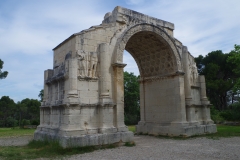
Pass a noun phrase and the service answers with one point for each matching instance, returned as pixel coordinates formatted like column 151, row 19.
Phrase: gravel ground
column 150, row 148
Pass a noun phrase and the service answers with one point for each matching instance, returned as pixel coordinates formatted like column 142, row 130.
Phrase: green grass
column 225, row 131
column 132, row 128
column 222, row 131
column 45, row 149
column 10, row 132
column 130, row 144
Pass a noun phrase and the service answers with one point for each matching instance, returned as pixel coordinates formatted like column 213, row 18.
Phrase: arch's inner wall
column 159, row 89
column 152, row 54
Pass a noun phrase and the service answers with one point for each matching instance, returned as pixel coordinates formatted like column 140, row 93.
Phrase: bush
column 234, row 113
column 11, row 122
column 2, row 124
column 25, row 122
column 216, row 115
column 131, row 119
column 35, row 122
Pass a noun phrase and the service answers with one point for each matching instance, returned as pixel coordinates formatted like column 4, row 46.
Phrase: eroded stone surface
column 83, row 100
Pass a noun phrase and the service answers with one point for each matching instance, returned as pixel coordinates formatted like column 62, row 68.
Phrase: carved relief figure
column 193, row 70
column 93, row 64
column 82, row 63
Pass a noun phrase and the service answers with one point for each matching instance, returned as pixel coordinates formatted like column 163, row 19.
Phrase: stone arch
column 90, row 110
column 162, row 79
column 145, row 27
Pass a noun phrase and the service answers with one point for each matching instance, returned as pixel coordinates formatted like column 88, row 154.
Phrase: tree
column 41, row 95
column 234, row 59
column 29, row 109
column 3, row 74
column 131, row 98
column 220, row 77
column 7, row 109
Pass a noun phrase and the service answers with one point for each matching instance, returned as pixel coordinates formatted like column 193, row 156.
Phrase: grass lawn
column 226, row 131
column 10, row 132
column 44, row 149
column 132, row 128
column 223, row 131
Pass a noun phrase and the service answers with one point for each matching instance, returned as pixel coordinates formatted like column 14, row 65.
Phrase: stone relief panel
column 87, row 65
column 153, row 56
column 82, row 63
column 192, row 70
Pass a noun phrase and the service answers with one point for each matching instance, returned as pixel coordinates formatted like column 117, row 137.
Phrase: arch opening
column 152, row 54
column 160, row 101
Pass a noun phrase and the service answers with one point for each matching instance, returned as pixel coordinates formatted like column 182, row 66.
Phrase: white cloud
column 134, row 2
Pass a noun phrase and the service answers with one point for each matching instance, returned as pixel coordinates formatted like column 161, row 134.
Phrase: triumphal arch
column 83, row 100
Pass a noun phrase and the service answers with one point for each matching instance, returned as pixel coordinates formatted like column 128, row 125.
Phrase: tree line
column 222, row 73
column 22, row 113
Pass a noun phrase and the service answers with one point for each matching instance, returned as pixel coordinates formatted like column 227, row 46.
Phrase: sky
column 30, row 29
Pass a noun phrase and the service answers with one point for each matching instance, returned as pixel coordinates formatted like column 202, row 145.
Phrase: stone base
column 86, row 140
column 168, row 130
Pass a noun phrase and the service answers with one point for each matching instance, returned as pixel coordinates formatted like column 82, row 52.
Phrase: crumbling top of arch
column 127, row 16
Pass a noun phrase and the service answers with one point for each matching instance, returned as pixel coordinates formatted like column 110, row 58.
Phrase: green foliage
column 11, row 113
column 221, row 76
column 25, row 122
column 35, row 122
column 3, row 74
column 131, row 99
column 41, row 95
column 130, row 144
column 234, row 59
column 232, row 114
column 7, row 110
column 11, row 122
column 216, row 115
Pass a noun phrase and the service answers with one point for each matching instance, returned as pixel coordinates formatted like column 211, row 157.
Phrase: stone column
column 142, row 102
column 46, row 101
column 204, row 100
column 119, row 96
column 47, row 74
column 106, row 119
column 72, row 93
column 187, row 86
column 105, row 75
column 190, row 108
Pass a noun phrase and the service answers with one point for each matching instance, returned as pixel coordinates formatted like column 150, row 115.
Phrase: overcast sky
column 30, row 29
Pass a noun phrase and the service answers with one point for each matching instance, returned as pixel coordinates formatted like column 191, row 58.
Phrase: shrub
column 216, row 115
column 25, row 122
column 11, row 122
column 35, row 122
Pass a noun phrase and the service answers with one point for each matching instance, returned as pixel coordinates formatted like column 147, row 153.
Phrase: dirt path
column 148, row 147
column 15, row 141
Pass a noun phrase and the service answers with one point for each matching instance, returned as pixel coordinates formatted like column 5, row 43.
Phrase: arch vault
column 83, row 100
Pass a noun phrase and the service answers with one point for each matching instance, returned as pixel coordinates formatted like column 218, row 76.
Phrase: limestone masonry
column 83, row 100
